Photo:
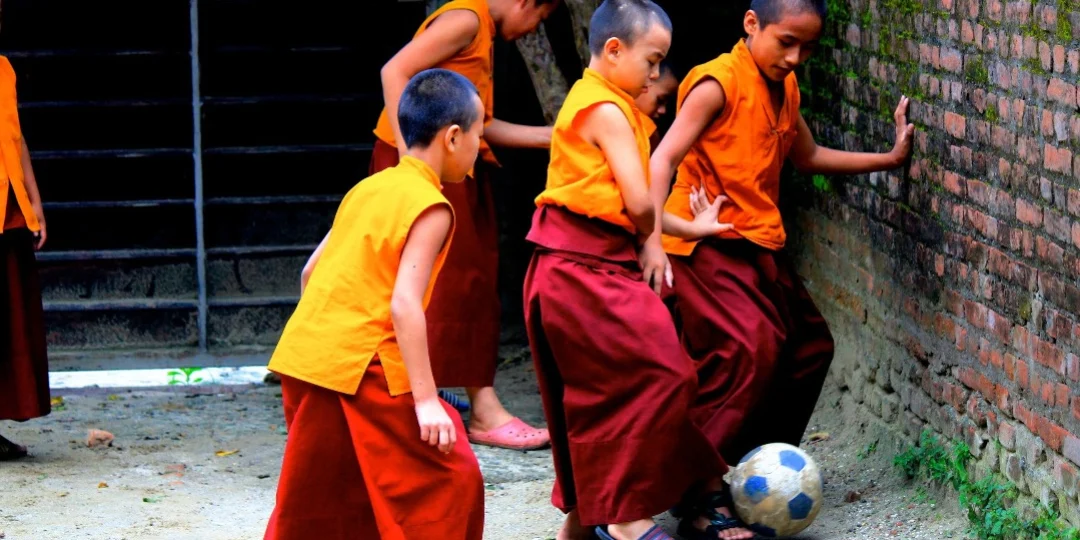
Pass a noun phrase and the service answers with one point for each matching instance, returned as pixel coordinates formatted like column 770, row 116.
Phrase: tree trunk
column 581, row 12
column 550, row 85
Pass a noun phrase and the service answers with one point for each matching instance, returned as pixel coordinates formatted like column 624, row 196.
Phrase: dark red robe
column 616, row 385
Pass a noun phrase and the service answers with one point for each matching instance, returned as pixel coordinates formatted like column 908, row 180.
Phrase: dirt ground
column 202, row 463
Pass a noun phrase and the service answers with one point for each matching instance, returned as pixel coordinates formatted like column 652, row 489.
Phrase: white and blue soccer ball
column 777, row 490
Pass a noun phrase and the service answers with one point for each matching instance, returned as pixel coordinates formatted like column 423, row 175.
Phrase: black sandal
column 718, row 522
column 10, row 450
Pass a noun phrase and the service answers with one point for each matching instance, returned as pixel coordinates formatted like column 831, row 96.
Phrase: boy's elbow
column 388, row 71
column 402, row 306
column 644, row 218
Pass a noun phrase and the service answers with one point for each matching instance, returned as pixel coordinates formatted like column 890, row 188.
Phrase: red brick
column 1010, row 366
column 1076, row 408
column 1053, row 434
column 969, row 377
column 956, row 125
column 1047, row 355
column 1049, row 251
column 1057, row 225
column 1045, row 57
column 1076, row 234
column 1059, row 59
column 1028, row 213
column 1057, row 159
column 1024, row 415
column 952, row 61
column 1046, row 392
column 1062, row 92
column 1061, row 395
column 967, row 33
column 1072, row 369
column 997, row 359
column 1007, row 435
column 1001, row 398
column 853, row 36
column 1022, row 373
column 1047, row 124
column 1073, row 203
column 954, row 184
column 1074, row 62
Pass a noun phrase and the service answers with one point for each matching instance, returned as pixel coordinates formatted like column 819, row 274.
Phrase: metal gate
column 190, row 155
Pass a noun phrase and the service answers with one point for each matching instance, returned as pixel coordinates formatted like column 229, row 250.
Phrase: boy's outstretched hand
column 707, row 213
column 905, row 132
column 435, row 425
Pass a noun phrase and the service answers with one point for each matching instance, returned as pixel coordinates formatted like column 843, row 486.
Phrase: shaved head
column 624, row 19
column 771, row 11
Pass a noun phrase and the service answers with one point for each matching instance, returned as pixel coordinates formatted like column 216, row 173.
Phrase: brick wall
column 953, row 286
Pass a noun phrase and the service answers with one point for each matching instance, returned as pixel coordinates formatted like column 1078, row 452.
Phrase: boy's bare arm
column 508, row 135
column 808, row 157
column 445, row 37
column 309, row 266
column 607, row 127
column 30, row 182
column 426, row 238
column 702, row 105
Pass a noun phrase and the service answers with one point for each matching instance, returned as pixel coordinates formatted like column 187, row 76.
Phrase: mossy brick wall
column 953, row 285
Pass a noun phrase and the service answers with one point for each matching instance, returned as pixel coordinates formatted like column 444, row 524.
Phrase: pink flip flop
column 513, row 435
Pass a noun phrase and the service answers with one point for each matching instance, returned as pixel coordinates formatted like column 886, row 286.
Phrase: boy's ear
column 751, row 24
column 452, row 137
column 612, row 47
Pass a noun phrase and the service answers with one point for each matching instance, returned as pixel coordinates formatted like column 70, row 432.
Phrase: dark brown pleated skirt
column 24, row 366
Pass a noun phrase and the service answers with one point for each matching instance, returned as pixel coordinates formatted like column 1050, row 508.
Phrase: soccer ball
column 777, row 490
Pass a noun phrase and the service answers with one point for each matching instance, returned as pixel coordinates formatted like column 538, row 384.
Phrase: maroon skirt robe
column 616, row 385
column 761, row 347
column 24, row 364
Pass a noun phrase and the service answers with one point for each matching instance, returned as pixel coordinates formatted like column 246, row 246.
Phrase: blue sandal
column 717, row 522
column 456, row 402
column 655, row 533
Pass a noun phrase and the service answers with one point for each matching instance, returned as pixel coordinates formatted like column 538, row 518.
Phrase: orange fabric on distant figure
column 475, row 62
column 11, row 171
column 355, row 468
column 343, row 318
column 579, row 177
column 740, row 154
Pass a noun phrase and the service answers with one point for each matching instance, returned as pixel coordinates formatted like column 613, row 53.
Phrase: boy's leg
column 321, row 492
column 563, row 494
column 733, row 330
column 416, row 490
column 614, row 349
column 801, row 372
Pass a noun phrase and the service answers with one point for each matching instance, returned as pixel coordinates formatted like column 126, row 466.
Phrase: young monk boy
column 372, row 451
column 464, row 315
column 653, row 102
column 605, row 347
column 750, row 326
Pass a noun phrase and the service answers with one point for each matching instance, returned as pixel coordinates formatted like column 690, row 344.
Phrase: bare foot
column 572, row 529
column 487, row 412
column 10, row 450
column 632, row 530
